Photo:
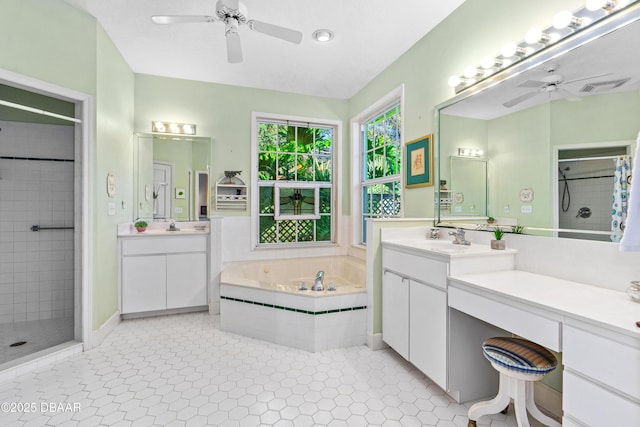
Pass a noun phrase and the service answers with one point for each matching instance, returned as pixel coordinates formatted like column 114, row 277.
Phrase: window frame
column 394, row 97
column 336, row 205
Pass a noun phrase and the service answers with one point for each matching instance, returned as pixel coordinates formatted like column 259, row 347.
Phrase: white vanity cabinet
column 601, row 378
column 418, row 323
column 414, row 311
column 161, row 273
column 395, row 312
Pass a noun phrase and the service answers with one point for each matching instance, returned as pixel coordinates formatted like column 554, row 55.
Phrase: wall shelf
column 231, row 193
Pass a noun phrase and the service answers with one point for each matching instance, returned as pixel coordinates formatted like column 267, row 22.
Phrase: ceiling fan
column 233, row 14
column 551, row 83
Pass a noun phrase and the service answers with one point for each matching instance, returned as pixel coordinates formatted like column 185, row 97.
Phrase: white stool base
column 516, row 386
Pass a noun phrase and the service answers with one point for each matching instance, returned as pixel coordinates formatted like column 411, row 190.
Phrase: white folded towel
column 631, row 238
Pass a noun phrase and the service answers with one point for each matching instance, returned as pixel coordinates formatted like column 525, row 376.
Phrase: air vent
column 603, row 86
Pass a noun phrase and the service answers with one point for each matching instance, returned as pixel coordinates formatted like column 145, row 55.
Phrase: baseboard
column 214, row 308
column 374, row 342
column 548, row 400
column 99, row 335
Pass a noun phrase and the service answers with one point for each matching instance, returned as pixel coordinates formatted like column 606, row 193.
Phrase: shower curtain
column 622, row 179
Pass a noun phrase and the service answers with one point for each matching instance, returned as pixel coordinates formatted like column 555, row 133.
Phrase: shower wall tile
column 36, row 268
column 594, row 193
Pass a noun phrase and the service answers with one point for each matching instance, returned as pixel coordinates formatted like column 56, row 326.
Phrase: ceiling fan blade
column 532, row 83
column 520, row 99
column 587, row 78
column 234, row 48
column 283, row 33
column 182, row 19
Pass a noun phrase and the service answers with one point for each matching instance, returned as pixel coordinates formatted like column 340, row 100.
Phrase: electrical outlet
column 526, row 209
column 111, row 209
column 507, row 209
column 457, row 209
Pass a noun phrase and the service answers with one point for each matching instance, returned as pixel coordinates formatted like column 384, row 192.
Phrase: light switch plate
column 526, row 209
column 178, row 210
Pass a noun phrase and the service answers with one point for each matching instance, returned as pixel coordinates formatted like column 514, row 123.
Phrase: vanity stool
column 520, row 363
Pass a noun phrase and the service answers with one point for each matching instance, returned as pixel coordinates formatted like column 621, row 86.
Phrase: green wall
column 520, row 157
column 223, row 113
column 58, row 44
column 113, row 154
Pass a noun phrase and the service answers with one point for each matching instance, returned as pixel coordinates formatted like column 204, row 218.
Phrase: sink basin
column 445, row 247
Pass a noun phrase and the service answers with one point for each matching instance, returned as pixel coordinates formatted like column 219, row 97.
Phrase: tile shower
column 36, row 268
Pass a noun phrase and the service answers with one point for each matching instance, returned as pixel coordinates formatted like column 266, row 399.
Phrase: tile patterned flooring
column 181, row 370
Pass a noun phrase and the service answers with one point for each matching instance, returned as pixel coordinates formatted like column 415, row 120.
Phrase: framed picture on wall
column 419, row 162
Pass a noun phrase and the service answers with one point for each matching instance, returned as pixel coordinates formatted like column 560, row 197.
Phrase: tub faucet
column 458, row 237
column 318, row 284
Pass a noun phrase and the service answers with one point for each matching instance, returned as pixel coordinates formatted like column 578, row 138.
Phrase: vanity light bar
column 470, row 152
column 173, row 128
column 565, row 23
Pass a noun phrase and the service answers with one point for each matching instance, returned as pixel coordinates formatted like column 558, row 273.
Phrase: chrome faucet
column 318, row 284
column 458, row 237
column 172, row 226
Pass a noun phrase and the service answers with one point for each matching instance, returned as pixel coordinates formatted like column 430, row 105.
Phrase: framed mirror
column 579, row 98
column 171, row 177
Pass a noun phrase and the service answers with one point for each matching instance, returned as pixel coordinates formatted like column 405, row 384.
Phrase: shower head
column 563, row 170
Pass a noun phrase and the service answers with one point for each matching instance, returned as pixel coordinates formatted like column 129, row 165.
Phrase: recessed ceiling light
column 322, row 35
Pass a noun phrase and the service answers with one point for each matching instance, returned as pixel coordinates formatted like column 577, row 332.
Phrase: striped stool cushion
column 519, row 355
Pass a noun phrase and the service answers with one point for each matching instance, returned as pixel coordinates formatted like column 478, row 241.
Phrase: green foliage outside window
column 294, row 154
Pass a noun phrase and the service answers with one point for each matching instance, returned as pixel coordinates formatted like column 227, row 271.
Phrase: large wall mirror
column 171, row 177
column 551, row 129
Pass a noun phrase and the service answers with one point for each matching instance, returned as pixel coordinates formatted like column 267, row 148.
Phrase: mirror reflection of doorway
column 201, row 191
column 162, row 184
column 585, row 189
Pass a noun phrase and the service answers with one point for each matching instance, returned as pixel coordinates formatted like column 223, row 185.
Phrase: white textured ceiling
column 369, row 36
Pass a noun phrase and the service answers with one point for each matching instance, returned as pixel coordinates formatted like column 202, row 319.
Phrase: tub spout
column 318, row 284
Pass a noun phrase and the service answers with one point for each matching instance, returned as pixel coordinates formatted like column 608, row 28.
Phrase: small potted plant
column 518, row 229
column 491, row 220
column 498, row 243
column 140, row 226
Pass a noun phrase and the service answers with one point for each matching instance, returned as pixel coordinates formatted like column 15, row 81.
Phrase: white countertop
column 603, row 307
column 157, row 232
column 444, row 248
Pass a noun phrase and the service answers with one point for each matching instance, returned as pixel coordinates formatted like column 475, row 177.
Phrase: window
column 295, row 170
column 381, row 161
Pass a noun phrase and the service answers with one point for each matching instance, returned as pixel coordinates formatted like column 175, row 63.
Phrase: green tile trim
column 296, row 310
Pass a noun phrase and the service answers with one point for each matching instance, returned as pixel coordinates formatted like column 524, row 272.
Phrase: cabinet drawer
column 164, row 245
column 595, row 406
column 527, row 324
column 605, row 360
column 416, row 267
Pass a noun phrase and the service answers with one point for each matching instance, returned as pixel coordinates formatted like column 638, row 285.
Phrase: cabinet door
column 144, row 285
column 395, row 312
column 428, row 331
column 186, row 280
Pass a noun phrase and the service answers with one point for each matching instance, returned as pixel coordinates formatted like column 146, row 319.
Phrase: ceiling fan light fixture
column 323, row 35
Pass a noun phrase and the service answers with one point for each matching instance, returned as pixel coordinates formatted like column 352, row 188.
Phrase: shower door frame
column 83, row 198
column 628, row 143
